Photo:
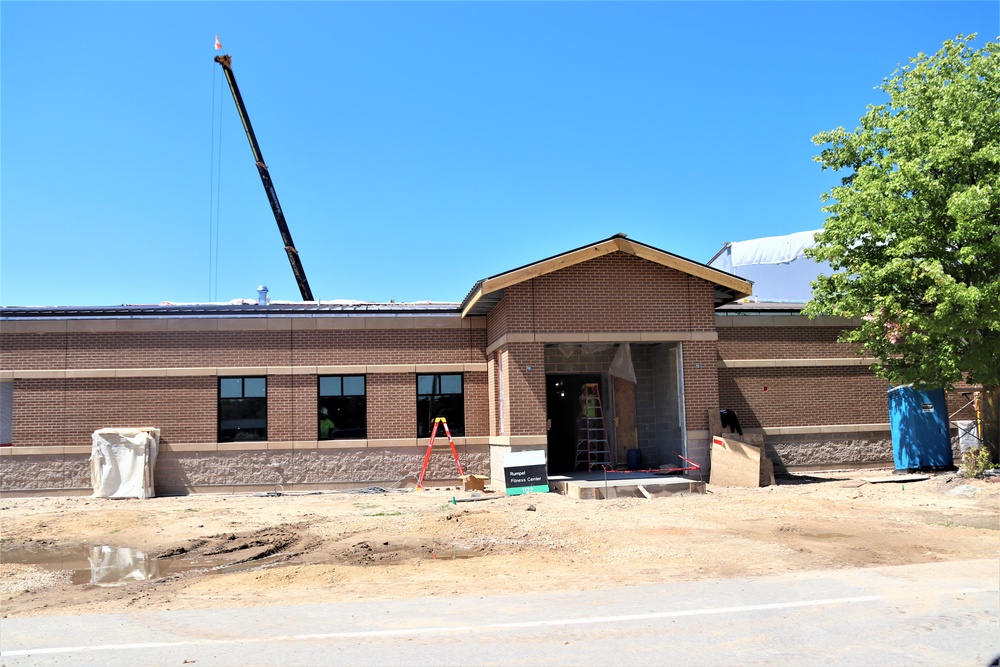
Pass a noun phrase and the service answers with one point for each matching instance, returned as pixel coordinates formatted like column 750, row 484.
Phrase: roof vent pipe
column 262, row 299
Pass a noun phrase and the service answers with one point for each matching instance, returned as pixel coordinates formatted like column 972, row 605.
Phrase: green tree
column 913, row 230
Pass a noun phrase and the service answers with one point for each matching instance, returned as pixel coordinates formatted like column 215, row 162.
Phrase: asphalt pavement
column 929, row 614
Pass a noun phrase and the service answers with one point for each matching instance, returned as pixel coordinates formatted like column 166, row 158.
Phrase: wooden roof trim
column 743, row 287
column 505, row 280
column 740, row 287
column 472, row 302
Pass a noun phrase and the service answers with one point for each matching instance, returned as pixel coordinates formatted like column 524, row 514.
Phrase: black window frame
column 349, row 407
column 449, row 405
column 242, row 408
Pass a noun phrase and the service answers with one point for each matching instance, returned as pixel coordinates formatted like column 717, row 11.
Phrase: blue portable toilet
column 919, row 423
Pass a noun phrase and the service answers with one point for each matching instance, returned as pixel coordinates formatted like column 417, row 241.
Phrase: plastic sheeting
column 968, row 434
column 772, row 249
column 569, row 349
column 777, row 266
column 122, row 462
column 622, row 366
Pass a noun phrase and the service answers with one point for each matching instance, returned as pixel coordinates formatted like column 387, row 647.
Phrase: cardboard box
column 473, row 483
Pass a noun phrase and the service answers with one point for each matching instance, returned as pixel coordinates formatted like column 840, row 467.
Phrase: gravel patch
column 16, row 579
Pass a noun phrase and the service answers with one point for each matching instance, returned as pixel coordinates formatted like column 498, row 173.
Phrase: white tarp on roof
column 772, row 249
column 777, row 265
column 122, row 462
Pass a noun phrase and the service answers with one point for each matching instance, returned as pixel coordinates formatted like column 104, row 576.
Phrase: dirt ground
column 246, row 550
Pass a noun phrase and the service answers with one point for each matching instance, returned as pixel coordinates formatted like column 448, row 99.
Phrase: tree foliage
column 913, row 231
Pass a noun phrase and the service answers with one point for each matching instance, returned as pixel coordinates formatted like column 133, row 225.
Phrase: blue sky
column 417, row 147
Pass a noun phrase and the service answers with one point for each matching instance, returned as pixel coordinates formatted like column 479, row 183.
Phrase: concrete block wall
column 313, row 467
column 660, row 436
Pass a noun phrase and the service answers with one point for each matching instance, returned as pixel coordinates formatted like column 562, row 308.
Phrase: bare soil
column 298, row 549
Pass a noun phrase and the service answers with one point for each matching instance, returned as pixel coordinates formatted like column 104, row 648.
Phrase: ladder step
column 592, row 448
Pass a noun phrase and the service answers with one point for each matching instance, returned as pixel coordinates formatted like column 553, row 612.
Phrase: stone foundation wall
column 833, row 450
column 45, row 471
column 183, row 472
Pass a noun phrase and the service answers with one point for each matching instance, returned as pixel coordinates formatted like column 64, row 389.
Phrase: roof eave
column 729, row 287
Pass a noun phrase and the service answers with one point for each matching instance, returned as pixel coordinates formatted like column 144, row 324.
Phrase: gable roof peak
column 488, row 291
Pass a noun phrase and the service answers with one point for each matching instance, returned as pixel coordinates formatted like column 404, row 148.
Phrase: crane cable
column 215, row 190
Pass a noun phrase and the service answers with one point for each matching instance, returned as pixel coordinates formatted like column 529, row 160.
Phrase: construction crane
column 265, row 178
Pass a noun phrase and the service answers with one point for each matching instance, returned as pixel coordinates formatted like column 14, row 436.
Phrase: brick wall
column 701, row 385
column 496, row 322
column 477, row 418
column 493, row 400
column 179, row 349
column 804, row 342
column 616, row 292
column 68, row 411
column 526, row 389
column 613, row 293
column 803, row 396
column 392, row 405
column 959, row 403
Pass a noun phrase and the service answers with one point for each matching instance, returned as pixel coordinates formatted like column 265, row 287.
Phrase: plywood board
column 766, row 471
column 735, row 463
column 626, row 434
column 714, row 422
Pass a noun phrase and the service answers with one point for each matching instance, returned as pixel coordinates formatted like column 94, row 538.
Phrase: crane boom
column 265, row 178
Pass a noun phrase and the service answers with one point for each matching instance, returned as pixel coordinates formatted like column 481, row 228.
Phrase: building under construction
column 315, row 395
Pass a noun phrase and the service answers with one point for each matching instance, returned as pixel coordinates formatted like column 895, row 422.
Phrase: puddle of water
column 102, row 565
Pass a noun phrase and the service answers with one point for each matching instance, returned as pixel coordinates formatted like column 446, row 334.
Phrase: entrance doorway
column 645, row 415
column 562, row 407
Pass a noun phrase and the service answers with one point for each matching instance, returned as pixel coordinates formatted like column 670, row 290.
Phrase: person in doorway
column 326, row 425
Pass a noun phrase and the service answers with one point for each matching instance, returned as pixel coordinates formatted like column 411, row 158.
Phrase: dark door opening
column 562, row 407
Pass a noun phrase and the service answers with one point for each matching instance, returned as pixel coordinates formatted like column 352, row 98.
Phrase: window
column 343, row 412
column 440, row 395
column 242, row 409
column 6, row 412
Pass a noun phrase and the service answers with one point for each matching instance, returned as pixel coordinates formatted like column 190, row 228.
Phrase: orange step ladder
column 592, row 448
column 430, row 448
